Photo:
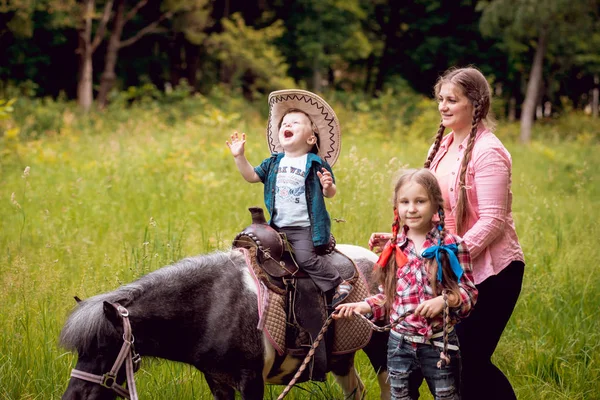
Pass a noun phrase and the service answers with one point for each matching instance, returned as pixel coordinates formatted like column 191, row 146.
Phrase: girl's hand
column 378, row 240
column 236, row 146
column 431, row 307
column 325, row 178
column 347, row 310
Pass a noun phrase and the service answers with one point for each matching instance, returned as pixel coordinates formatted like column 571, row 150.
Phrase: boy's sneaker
column 341, row 292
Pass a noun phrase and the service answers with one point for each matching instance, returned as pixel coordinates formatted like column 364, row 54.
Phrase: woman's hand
column 431, row 307
column 378, row 240
column 347, row 310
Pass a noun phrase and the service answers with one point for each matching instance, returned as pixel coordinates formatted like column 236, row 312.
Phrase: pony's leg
column 346, row 376
column 351, row 384
column 219, row 390
column 253, row 386
column 385, row 390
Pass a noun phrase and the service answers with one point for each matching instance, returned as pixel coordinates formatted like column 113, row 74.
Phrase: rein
column 311, row 352
column 127, row 355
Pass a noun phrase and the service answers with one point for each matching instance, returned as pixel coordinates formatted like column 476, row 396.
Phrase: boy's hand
column 378, row 240
column 347, row 310
column 236, row 146
column 325, row 178
column 431, row 307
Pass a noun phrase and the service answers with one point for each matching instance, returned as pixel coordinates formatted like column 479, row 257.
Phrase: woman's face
column 456, row 110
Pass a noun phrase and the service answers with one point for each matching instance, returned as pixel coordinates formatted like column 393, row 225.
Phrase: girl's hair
column 313, row 127
column 387, row 277
column 477, row 90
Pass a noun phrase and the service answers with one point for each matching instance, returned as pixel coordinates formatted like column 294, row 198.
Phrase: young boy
column 297, row 178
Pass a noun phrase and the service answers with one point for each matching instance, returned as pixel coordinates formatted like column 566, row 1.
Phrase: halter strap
column 127, row 355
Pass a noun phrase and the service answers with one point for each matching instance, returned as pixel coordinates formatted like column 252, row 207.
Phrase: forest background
column 113, row 117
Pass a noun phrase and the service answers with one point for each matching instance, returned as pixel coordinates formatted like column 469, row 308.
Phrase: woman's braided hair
column 477, row 90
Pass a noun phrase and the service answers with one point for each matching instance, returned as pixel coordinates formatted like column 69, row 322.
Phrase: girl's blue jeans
column 409, row 363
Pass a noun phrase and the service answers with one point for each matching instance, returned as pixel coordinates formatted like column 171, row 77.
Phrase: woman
column 474, row 172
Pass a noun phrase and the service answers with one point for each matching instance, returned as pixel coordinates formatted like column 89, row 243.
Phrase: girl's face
column 415, row 208
column 455, row 108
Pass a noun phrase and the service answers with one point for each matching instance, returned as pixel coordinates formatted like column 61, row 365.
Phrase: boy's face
column 296, row 135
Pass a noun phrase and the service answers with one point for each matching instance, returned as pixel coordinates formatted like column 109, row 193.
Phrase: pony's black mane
column 87, row 322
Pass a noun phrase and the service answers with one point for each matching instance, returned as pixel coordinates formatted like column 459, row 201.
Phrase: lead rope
column 317, row 341
column 444, row 357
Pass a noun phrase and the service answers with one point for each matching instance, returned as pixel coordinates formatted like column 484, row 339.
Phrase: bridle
column 127, row 355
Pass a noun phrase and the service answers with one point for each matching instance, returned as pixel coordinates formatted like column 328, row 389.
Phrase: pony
column 201, row 311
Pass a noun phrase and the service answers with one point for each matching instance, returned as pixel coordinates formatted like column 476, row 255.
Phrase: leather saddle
column 275, row 254
column 306, row 307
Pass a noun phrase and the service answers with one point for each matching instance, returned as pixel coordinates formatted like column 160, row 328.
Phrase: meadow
column 88, row 203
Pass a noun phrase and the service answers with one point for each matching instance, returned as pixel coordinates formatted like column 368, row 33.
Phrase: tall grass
column 108, row 198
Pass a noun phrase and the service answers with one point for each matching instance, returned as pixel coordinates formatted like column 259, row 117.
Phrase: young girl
column 422, row 270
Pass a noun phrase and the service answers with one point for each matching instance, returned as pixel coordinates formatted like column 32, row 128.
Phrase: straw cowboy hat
column 321, row 114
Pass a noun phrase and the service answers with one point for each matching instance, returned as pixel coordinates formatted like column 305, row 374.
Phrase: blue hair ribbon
column 451, row 250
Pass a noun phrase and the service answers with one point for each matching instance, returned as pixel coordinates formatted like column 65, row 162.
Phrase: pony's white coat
column 356, row 252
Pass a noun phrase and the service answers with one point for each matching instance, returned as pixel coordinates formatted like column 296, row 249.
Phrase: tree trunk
column 108, row 77
column 387, row 58
column 317, row 76
column 595, row 97
column 512, row 109
column 533, row 88
column 192, row 63
column 84, row 83
column 175, row 62
column 369, row 73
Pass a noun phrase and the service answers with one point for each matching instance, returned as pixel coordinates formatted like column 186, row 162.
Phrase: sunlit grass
column 106, row 202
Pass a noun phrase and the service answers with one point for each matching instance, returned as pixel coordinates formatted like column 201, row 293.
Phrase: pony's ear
column 112, row 314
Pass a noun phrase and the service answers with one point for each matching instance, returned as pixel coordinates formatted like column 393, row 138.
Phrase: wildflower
column 152, row 222
column 13, row 199
column 26, row 172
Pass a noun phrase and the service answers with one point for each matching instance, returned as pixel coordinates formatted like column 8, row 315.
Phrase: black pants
column 480, row 333
column 324, row 275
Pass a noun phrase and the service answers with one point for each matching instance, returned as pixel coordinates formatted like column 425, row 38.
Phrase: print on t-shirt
column 290, row 193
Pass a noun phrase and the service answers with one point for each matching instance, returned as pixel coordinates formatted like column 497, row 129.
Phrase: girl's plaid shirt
column 413, row 287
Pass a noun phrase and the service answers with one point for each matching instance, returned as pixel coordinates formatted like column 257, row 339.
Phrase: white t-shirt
column 290, row 193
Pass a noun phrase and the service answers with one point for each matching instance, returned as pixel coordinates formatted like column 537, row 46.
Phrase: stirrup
column 341, row 293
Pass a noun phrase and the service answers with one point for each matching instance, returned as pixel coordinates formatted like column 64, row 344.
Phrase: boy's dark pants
column 325, row 276
column 480, row 333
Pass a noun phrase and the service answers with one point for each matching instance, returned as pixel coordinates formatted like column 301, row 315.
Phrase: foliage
column 250, row 56
column 324, row 34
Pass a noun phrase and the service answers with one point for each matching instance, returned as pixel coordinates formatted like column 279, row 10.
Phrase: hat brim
column 319, row 112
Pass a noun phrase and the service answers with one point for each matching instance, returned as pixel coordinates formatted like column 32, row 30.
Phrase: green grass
column 107, row 200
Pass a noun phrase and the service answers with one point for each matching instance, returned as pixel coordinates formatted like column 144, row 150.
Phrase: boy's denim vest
column 319, row 217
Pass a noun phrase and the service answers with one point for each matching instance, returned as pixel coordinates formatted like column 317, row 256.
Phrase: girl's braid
column 461, row 204
column 436, row 145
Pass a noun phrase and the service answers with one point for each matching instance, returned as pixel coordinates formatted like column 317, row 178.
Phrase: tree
column 116, row 43
column 189, row 33
column 249, row 56
column 86, row 48
column 321, row 36
column 545, row 26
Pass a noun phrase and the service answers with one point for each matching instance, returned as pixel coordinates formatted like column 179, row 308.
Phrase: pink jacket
column 491, row 236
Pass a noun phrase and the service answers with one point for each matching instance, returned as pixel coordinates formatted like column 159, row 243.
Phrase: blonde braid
column 461, row 204
column 436, row 145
